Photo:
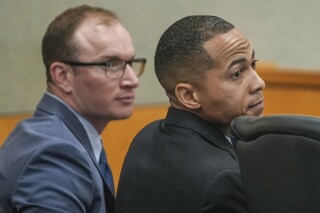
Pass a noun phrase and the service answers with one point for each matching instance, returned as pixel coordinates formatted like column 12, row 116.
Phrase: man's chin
column 123, row 115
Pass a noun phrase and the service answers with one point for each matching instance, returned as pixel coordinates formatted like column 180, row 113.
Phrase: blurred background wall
column 283, row 32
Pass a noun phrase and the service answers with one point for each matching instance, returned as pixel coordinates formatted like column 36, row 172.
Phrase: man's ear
column 61, row 75
column 187, row 96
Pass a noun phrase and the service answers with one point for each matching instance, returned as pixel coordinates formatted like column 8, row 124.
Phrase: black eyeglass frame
column 143, row 62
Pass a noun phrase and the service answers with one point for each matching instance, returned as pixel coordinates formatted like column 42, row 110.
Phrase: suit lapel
column 193, row 122
column 52, row 106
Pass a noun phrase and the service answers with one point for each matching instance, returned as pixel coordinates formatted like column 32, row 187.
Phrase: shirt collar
column 92, row 133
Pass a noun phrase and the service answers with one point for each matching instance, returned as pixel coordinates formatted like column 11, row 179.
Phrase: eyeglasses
column 115, row 68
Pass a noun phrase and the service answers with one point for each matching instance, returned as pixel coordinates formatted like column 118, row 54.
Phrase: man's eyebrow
column 238, row 61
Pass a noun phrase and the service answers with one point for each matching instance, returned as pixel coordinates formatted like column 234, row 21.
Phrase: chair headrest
column 248, row 128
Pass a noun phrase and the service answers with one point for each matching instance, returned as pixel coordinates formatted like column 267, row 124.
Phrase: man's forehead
column 227, row 44
column 97, row 23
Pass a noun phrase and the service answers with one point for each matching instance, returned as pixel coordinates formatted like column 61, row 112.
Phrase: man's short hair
column 58, row 43
column 180, row 55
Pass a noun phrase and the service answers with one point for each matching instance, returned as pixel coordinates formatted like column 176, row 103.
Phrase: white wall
column 284, row 32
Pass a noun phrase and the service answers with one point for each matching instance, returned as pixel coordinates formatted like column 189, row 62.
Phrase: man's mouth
column 127, row 99
column 257, row 108
column 255, row 105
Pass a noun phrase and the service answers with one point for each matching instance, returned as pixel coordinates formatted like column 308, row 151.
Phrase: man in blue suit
column 55, row 161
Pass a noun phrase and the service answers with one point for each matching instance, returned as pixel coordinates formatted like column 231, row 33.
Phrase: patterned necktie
column 105, row 170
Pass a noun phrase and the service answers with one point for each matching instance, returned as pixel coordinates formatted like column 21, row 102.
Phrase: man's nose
column 130, row 78
column 257, row 83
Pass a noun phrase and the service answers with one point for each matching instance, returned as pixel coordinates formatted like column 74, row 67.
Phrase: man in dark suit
column 55, row 161
column 186, row 162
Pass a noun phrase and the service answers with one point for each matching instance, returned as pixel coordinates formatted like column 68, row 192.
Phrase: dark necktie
column 233, row 140
column 105, row 170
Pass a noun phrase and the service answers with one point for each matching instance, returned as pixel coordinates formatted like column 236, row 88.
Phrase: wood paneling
column 291, row 91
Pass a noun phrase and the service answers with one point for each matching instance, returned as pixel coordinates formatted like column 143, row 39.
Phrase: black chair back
column 279, row 158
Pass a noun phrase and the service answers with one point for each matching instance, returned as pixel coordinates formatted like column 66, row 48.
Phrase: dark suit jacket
column 47, row 165
column 180, row 164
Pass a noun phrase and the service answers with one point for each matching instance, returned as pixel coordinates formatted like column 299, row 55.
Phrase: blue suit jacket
column 47, row 165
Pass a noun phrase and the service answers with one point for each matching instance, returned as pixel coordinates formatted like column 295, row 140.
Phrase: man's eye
column 114, row 64
column 109, row 64
column 237, row 74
